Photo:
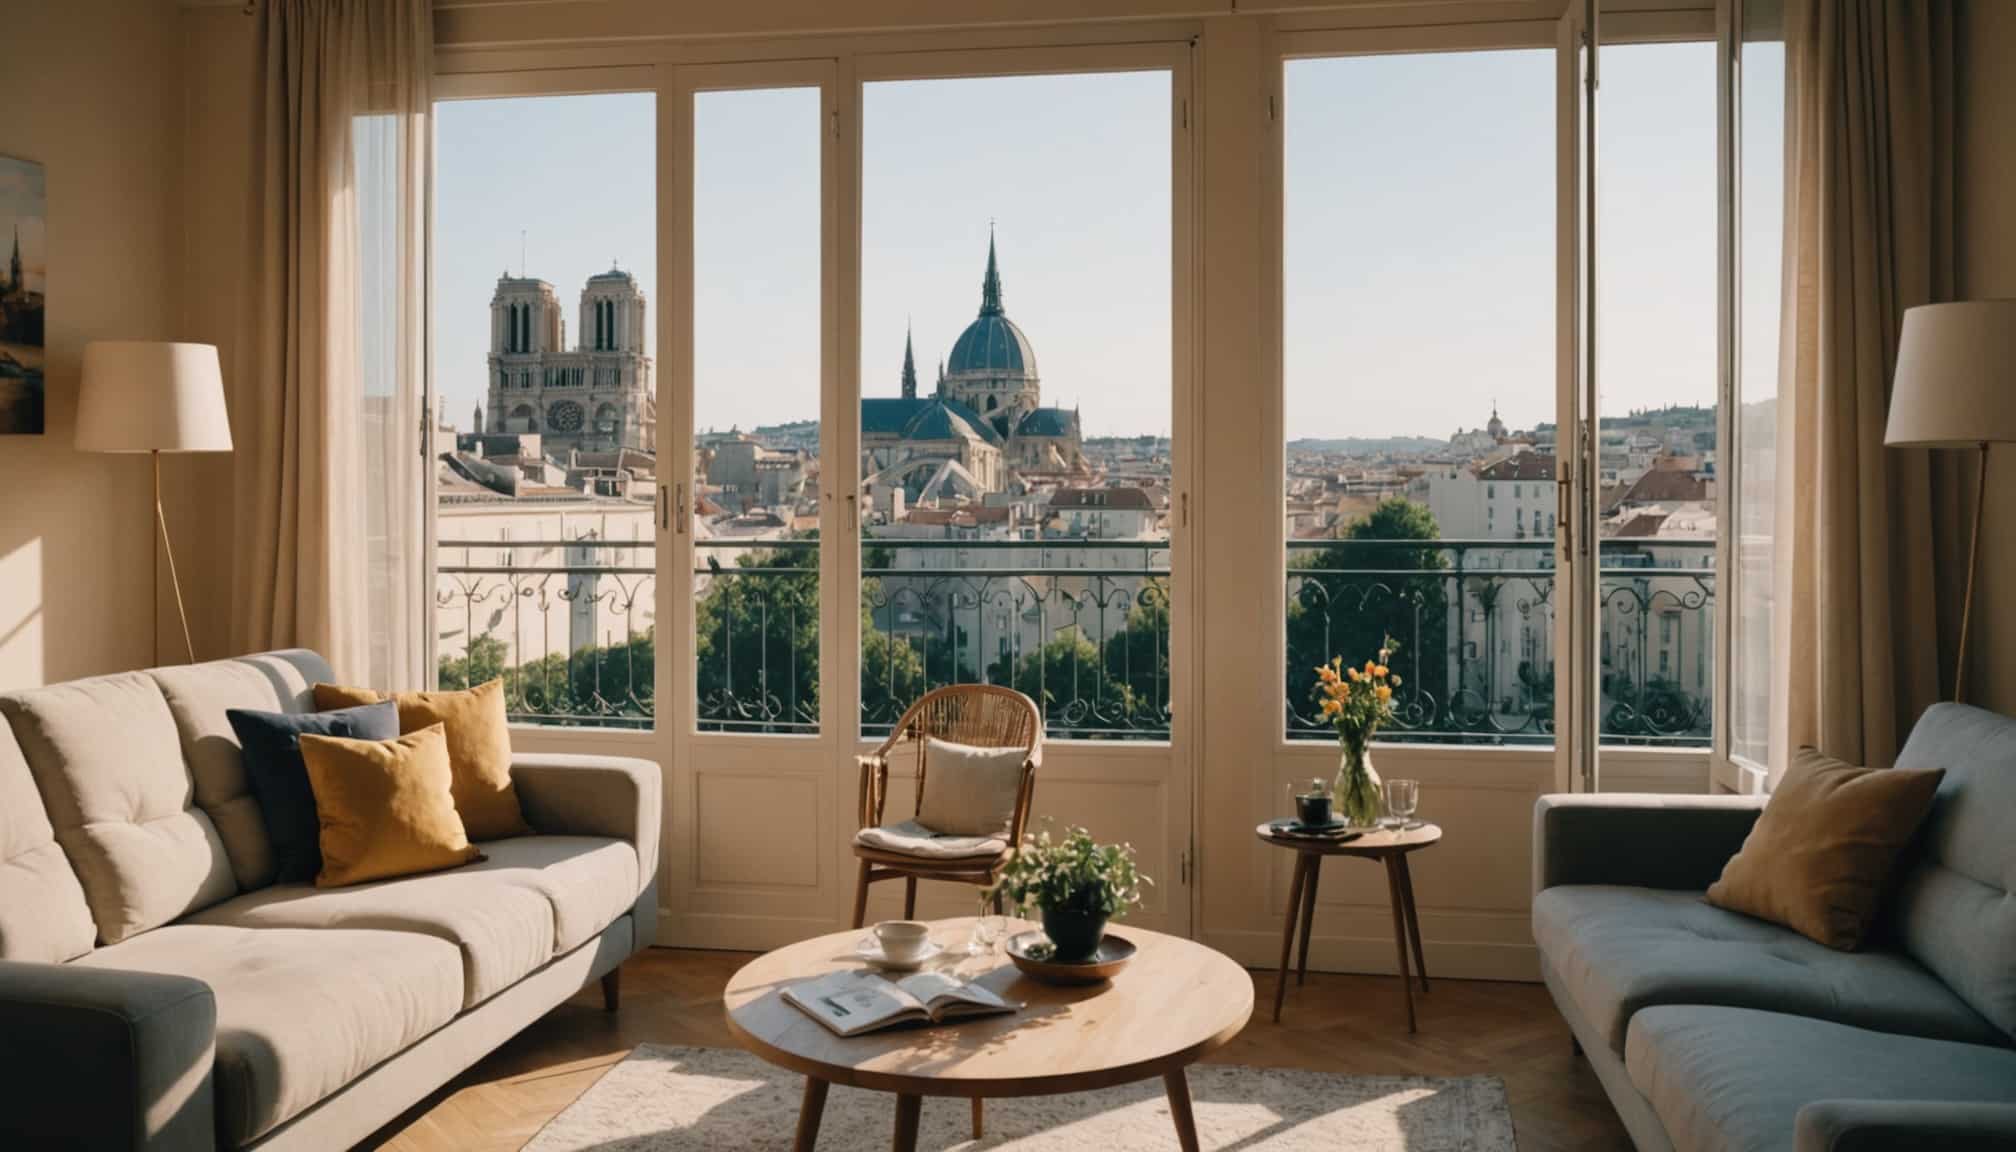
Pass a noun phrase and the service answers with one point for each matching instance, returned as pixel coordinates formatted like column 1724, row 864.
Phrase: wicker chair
column 981, row 715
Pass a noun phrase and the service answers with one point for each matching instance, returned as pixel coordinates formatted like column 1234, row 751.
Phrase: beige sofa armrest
column 614, row 796
column 104, row 1058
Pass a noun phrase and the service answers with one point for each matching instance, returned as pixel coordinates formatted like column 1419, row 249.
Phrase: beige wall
column 1987, row 243
column 90, row 88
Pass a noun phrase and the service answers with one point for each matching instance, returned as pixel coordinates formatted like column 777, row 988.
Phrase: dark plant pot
column 1075, row 934
column 1313, row 809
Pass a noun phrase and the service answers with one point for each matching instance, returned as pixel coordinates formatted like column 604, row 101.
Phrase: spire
column 909, row 367
column 990, row 288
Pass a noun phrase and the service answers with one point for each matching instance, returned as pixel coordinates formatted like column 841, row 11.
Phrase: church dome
column 992, row 345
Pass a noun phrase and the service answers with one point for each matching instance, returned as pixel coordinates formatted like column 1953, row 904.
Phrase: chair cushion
column 969, row 791
column 479, row 748
column 1819, row 859
column 588, row 880
column 279, row 776
column 385, row 807
column 504, row 929
column 910, row 838
column 1955, row 907
column 43, row 917
column 107, row 761
column 1619, row 951
column 300, row 1014
column 198, row 696
column 1735, row 1078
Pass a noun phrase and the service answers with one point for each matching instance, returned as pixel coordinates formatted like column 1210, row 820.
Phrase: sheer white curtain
column 330, row 476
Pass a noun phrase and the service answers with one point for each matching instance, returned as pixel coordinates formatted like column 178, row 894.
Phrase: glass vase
column 1357, row 789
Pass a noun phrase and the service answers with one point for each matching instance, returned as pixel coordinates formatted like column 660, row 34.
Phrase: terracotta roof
column 1665, row 485
column 1522, row 466
column 1644, row 524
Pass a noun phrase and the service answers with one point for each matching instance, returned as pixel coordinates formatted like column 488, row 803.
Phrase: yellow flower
column 1326, row 674
column 1332, row 707
column 1354, row 674
column 1383, row 692
column 1338, row 690
column 1379, row 671
column 1395, row 681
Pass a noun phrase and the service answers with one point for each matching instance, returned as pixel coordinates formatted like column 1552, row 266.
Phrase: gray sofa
column 159, row 991
column 1712, row 1030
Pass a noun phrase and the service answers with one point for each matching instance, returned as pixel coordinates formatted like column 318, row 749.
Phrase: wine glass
column 1402, row 796
column 988, row 927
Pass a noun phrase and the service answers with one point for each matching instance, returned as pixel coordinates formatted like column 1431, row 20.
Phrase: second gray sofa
column 158, row 990
column 1715, row 1032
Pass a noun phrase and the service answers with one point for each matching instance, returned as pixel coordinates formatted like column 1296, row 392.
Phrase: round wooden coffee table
column 1174, row 1002
column 1390, row 846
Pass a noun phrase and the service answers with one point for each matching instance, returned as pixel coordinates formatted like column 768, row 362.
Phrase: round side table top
column 1380, row 842
column 1174, row 1002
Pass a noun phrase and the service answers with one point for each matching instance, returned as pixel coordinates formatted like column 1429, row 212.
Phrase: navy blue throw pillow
column 279, row 777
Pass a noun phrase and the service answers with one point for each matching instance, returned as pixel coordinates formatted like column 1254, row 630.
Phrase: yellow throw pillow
column 1818, row 860
column 384, row 806
column 479, row 748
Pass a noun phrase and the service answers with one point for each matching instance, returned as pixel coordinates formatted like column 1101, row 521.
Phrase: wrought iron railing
column 1081, row 626
column 567, row 625
column 1475, row 624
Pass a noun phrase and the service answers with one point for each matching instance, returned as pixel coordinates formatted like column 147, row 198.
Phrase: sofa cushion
column 279, row 776
column 588, row 880
column 108, row 762
column 1618, row 951
column 43, row 917
column 198, row 695
column 384, row 806
column 1735, row 1078
column 300, row 1014
column 1955, row 908
column 504, row 928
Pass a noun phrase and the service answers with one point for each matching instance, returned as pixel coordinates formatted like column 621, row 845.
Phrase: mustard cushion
column 1818, row 860
column 385, row 806
column 479, row 748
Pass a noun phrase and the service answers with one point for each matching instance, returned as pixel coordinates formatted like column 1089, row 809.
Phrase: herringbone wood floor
column 1346, row 1024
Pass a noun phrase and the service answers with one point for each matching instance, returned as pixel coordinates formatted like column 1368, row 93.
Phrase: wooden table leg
column 1179, row 1110
column 1413, row 921
column 979, row 1118
column 908, row 1109
column 1288, row 932
column 1400, row 933
column 809, row 1114
column 1308, row 914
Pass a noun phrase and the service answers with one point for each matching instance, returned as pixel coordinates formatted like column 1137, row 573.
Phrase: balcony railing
column 1081, row 626
column 1475, row 624
column 567, row 624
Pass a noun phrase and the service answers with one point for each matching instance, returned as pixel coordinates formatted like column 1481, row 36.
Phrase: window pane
column 1015, row 523
column 1419, row 369
column 756, row 373
column 547, row 411
column 1656, row 372
column 1763, row 212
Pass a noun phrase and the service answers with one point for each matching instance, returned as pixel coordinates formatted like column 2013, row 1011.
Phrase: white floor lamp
column 1956, row 388
column 143, row 396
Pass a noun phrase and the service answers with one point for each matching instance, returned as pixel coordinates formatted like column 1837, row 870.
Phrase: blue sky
column 1419, row 217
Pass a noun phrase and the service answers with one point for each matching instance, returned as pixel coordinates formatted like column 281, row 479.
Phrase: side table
column 1391, row 846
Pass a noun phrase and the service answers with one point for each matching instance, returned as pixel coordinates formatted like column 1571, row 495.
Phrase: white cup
column 903, row 940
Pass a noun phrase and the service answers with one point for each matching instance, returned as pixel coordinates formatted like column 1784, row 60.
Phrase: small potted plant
column 1356, row 701
column 1077, row 884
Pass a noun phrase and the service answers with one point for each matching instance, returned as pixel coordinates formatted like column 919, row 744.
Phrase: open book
column 851, row 1003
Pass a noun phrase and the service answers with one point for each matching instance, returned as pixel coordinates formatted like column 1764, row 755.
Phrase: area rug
column 720, row 1100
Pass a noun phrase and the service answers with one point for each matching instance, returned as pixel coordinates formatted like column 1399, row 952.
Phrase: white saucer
column 869, row 951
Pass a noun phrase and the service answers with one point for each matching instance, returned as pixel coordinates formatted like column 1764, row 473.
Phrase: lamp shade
column 1956, row 375
column 146, row 396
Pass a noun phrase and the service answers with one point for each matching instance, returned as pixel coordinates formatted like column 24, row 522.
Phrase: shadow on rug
column 723, row 1100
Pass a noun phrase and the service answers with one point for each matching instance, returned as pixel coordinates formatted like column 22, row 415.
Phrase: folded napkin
column 910, row 838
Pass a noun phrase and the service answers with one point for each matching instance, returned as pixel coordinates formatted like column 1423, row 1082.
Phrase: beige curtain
column 1868, row 536
column 329, row 480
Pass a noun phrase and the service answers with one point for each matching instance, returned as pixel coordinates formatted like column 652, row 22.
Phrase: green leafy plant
column 1075, row 874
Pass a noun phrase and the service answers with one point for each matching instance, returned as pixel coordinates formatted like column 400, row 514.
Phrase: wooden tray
column 1111, row 956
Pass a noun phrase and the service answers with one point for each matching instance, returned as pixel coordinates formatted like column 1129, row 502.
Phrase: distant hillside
column 1369, row 446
